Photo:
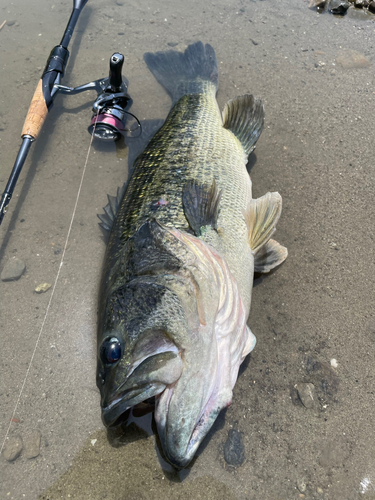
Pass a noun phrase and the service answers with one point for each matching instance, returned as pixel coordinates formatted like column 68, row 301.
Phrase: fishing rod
column 110, row 110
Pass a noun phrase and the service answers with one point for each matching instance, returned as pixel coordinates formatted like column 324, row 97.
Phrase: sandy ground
column 317, row 150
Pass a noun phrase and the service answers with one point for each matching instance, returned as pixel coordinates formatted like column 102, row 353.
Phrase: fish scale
column 192, row 144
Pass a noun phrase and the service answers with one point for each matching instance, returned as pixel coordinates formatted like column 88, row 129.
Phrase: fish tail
column 191, row 72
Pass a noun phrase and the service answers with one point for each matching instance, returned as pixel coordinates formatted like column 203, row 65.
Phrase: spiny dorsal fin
column 111, row 209
column 271, row 254
column 244, row 117
column 201, row 205
column 261, row 218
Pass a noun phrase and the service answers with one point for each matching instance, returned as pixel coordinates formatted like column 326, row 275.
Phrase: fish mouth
column 149, row 379
column 126, row 399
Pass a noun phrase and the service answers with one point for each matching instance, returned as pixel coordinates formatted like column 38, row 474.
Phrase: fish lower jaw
column 182, row 457
column 179, row 445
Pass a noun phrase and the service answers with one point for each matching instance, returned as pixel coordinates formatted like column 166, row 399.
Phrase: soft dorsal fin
column 244, row 117
column 201, row 205
column 271, row 254
column 261, row 218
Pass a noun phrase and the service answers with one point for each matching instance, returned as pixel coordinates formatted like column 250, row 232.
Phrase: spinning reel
column 110, row 119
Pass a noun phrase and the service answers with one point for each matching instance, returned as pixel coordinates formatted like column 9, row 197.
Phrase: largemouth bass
column 178, row 272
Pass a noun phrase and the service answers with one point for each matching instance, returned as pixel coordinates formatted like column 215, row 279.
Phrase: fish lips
column 149, row 379
column 127, row 399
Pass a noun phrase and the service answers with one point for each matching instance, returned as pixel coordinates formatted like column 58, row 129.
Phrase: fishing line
column 52, row 294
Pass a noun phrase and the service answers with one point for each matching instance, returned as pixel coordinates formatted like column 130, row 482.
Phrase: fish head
column 146, row 322
column 140, row 351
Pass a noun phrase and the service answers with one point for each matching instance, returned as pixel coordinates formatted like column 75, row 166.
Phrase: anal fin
column 244, row 117
column 201, row 205
column 271, row 254
column 261, row 218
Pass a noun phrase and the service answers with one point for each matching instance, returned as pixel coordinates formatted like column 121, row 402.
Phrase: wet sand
column 313, row 317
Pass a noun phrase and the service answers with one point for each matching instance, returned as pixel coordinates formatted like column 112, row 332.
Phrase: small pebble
column 32, row 444
column 301, row 485
column 13, row 269
column 334, row 363
column 120, row 2
column 306, row 394
column 10, row 23
column 43, row 287
column 351, row 59
column 172, row 44
column 121, row 33
column 339, row 6
column 13, row 448
column 234, row 450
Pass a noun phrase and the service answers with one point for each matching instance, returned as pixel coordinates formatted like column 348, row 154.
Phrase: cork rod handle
column 36, row 115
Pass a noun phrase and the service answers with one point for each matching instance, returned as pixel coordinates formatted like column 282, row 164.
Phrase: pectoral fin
column 201, row 205
column 261, row 218
column 269, row 256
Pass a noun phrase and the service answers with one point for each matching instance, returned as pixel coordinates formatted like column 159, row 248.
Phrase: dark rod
column 39, row 108
column 77, row 7
column 20, row 160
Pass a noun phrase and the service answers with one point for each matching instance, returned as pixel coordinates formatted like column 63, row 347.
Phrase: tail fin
column 191, row 72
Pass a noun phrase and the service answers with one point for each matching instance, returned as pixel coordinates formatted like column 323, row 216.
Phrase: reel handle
column 115, row 69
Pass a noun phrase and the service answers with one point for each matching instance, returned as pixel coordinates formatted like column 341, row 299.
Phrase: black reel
column 111, row 116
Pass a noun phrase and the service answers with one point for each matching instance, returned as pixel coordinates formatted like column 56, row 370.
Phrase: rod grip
column 37, row 113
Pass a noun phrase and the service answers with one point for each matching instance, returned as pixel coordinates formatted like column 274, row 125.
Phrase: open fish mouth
column 128, row 399
column 149, row 379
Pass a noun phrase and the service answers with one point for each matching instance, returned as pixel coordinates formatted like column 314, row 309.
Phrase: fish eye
column 110, row 351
